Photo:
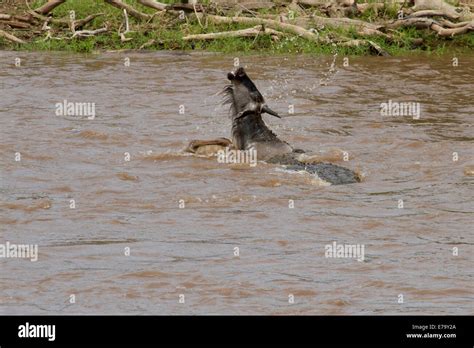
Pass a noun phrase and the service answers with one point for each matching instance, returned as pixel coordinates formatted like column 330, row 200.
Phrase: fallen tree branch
column 440, row 5
column 44, row 18
column 199, row 20
column 122, row 6
column 191, row 7
column 295, row 30
column 11, row 37
column 127, row 28
column 312, row 3
column 446, row 32
column 153, row 4
column 449, row 24
column 60, row 22
column 345, row 23
column 442, row 18
column 157, row 13
column 249, row 32
column 433, row 13
column 363, row 28
column 81, row 33
column 63, row 22
column 49, row 6
column 147, row 44
column 87, row 33
column 378, row 49
column 20, row 22
column 317, row 3
column 437, row 26
column 369, row 6
column 81, row 22
column 420, row 23
column 26, row 19
column 46, row 27
column 7, row 17
column 17, row 25
column 375, row 47
column 286, row 27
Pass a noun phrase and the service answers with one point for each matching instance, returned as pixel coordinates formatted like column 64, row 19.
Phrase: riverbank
column 279, row 27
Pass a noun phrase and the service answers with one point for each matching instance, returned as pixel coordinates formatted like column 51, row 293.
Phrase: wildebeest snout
column 246, row 98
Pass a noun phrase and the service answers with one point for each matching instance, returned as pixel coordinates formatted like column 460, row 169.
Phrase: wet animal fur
column 250, row 131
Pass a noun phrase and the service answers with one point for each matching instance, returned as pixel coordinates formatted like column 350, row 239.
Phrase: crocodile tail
column 331, row 173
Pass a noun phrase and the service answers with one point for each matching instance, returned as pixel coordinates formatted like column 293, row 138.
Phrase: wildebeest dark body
column 249, row 131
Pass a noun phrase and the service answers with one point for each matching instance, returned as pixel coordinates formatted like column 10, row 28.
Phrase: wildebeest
column 249, row 131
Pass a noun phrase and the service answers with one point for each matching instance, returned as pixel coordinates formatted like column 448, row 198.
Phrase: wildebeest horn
column 243, row 114
column 266, row 109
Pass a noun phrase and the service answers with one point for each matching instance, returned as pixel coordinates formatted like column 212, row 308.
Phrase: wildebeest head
column 244, row 97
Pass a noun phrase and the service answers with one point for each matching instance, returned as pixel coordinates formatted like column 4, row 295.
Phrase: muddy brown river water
column 69, row 187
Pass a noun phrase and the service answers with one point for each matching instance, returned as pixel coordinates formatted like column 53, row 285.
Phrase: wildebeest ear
column 230, row 76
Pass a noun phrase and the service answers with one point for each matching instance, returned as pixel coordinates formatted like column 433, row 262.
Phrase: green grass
column 168, row 33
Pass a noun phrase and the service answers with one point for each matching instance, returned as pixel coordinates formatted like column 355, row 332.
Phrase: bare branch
column 434, row 13
column 270, row 23
column 147, row 44
column 18, row 25
column 249, row 32
column 127, row 28
column 153, row 4
column 122, row 6
column 80, row 23
column 11, row 37
column 375, row 47
column 87, row 33
column 452, row 31
column 49, row 6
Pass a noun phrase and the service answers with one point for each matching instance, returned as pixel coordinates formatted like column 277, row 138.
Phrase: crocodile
column 249, row 131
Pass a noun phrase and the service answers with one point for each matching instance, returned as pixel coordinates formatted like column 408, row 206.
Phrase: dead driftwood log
column 11, row 37
column 443, row 28
column 127, row 28
column 49, row 6
column 289, row 28
column 438, row 16
column 275, row 25
column 153, row 4
column 130, row 10
column 249, row 32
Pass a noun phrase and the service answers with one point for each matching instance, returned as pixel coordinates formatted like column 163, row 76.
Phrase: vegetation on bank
column 167, row 29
